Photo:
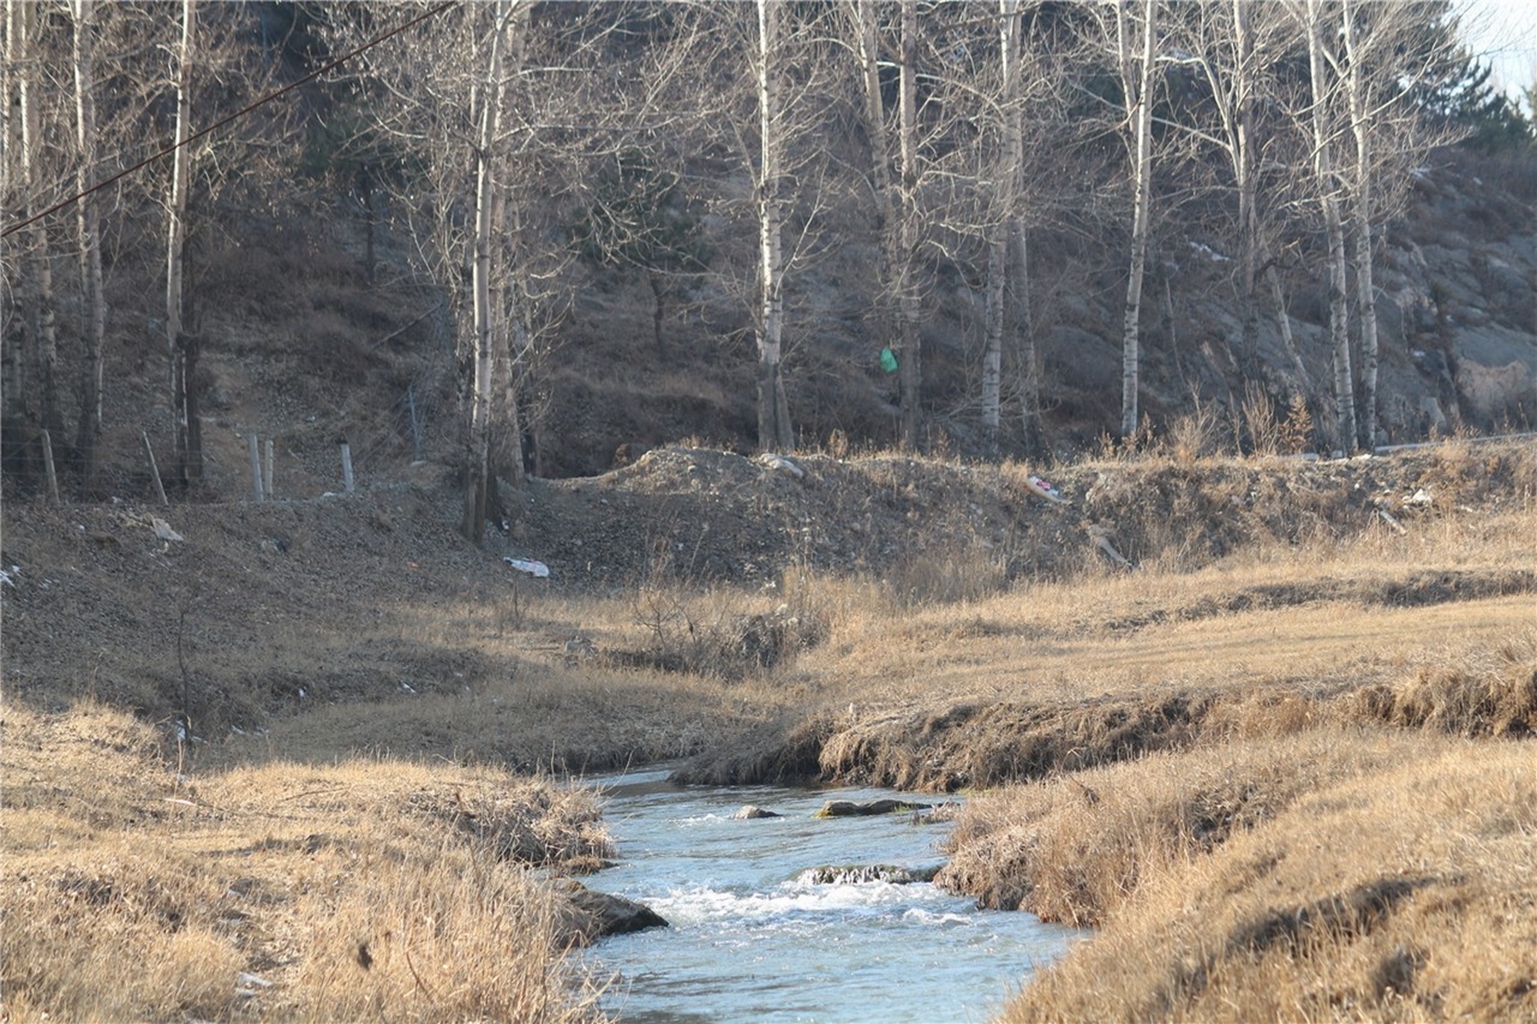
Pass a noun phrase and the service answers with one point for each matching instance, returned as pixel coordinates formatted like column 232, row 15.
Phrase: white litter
column 784, row 465
column 1044, row 489
column 529, row 566
column 163, row 530
column 252, row 981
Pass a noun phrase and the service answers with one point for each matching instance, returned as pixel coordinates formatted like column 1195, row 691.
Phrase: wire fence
column 289, row 460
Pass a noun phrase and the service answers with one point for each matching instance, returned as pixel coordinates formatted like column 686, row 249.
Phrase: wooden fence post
column 347, row 466
column 53, row 479
column 256, row 468
column 267, row 471
column 154, row 471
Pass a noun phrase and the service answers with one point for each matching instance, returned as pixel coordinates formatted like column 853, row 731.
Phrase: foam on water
column 750, row 941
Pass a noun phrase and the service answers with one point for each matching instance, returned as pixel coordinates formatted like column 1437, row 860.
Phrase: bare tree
column 1136, row 88
column 30, row 89
column 491, row 93
column 1008, row 267
column 774, row 429
column 88, row 221
column 12, row 204
column 1329, row 192
column 1388, row 51
column 895, row 173
column 911, row 369
column 182, row 345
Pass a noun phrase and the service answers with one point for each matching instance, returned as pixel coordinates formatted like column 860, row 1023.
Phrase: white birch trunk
column 478, row 461
column 882, row 186
column 88, row 222
column 1328, row 194
column 45, row 329
column 10, row 347
column 1366, row 291
column 774, row 431
column 1006, row 177
column 1243, row 169
column 911, row 370
column 1141, row 114
column 176, row 238
column 1026, row 368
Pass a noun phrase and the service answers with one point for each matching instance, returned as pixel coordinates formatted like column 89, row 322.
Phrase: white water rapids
column 751, row 941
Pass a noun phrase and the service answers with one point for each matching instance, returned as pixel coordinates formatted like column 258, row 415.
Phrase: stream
column 753, row 941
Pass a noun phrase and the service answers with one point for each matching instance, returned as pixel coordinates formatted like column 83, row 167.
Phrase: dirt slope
column 272, row 608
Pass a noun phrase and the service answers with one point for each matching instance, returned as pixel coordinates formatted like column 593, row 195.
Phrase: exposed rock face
column 750, row 812
column 854, row 874
column 850, row 809
column 594, row 914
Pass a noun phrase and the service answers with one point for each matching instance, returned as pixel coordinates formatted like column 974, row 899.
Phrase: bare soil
column 271, row 610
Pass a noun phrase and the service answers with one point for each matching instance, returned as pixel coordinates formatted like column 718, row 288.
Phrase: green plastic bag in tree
column 888, row 360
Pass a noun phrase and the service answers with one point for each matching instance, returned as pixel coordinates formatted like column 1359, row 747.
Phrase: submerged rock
column 749, row 812
column 853, row 874
column 850, row 809
column 595, row 914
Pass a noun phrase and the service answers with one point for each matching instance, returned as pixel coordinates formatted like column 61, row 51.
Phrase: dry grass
column 1075, row 847
column 1405, row 892
column 368, row 889
column 1281, row 651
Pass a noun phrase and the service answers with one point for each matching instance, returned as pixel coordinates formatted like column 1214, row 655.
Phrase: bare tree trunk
column 519, row 345
column 11, row 173
column 866, row 16
column 992, row 353
column 1142, row 119
column 911, row 369
column 774, row 430
column 1007, row 226
column 1339, row 337
column 1366, row 291
column 478, row 456
column 1244, row 173
column 88, row 220
column 182, row 472
column 1026, row 363
column 45, row 332
column 512, row 311
column 1288, row 340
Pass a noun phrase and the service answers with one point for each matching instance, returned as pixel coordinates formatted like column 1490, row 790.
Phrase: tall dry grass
column 1075, row 847
column 1403, row 892
column 364, row 890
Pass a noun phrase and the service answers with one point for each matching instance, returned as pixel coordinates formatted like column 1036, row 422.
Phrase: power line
column 237, row 114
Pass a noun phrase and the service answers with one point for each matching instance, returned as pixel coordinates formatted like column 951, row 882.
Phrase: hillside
column 269, row 610
column 300, row 348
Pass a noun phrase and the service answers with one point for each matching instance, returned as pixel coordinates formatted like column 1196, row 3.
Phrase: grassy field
column 1291, row 777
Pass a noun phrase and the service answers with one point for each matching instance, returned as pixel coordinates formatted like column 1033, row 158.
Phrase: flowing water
column 752, row 940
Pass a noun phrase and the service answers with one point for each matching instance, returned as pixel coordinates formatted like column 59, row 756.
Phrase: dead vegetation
column 373, row 888
column 1404, row 891
column 1282, row 648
